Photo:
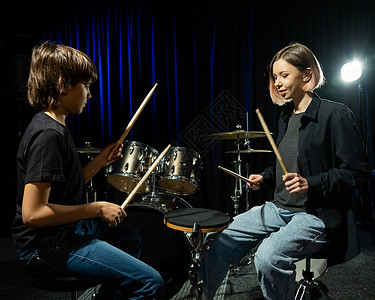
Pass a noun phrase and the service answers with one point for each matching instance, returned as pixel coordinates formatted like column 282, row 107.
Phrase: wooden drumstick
column 148, row 173
column 272, row 142
column 132, row 121
column 235, row 174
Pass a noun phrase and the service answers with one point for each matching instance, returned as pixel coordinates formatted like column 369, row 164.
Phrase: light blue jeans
column 285, row 238
column 97, row 252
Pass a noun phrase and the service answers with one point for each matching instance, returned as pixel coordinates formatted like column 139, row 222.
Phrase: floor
column 352, row 280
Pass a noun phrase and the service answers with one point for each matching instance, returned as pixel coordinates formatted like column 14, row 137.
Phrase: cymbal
column 88, row 150
column 237, row 134
column 248, row 151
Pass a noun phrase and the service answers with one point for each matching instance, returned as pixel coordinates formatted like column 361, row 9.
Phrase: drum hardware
column 88, row 150
column 91, row 193
column 237, row 170
column 237, row 135
column 152, row 196
column 196, row 221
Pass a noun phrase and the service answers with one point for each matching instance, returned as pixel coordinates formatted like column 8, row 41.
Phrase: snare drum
column 125, row 173
column 181, row 170
column 165, row 249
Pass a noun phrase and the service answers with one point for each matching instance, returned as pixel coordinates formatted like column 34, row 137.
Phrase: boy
column 53, row 220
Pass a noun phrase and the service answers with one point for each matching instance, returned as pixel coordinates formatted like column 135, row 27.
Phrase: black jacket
column 334, row 161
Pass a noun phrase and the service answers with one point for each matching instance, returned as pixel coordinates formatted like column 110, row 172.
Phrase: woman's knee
column 267, row 258
column 262, row 260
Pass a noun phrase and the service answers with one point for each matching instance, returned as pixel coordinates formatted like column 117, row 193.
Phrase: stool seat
column 44, row 276
column 207, row 220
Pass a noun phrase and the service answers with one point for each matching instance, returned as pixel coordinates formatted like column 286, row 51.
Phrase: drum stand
column 152, row 196
column 197, row 221
column 194, row 266
column 91, row 193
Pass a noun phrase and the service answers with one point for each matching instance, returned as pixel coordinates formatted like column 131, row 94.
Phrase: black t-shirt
column 46, row 154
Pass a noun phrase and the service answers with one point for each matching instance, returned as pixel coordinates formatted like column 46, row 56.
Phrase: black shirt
column 46, row 154
column 334, row 161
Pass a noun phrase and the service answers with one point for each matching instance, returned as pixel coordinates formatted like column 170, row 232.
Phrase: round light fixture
column 351, row 71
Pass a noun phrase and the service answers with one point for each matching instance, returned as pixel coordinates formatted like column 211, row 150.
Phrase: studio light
column 351, row 71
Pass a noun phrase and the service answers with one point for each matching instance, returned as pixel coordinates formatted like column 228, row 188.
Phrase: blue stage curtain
column 209, row 59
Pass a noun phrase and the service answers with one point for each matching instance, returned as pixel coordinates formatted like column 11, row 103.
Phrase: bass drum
column 165, row 249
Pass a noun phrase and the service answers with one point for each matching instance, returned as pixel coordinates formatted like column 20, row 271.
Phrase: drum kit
column 172, row 230
column 178, row 174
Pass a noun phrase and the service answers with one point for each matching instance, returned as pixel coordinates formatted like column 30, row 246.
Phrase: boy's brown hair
column 56, row 67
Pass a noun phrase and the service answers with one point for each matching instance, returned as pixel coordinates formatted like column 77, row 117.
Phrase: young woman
column 326, row 161
column 53, row 220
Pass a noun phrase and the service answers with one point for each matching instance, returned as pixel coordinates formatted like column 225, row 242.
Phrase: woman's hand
column 295, row 183
column 255, row 181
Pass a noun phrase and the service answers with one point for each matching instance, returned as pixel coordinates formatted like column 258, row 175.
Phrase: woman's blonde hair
column 302, row 58
column 54, row 68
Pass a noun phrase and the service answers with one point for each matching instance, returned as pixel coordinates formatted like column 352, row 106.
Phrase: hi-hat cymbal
column 88, row 150
column 237, row 134
column 249, row 151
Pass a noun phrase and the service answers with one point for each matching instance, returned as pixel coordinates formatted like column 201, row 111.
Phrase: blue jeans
column 285, row 238
column 108, row 256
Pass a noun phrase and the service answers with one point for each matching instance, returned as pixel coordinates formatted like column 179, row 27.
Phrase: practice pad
column 208, row 220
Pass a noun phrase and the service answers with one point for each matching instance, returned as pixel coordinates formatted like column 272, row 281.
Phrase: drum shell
column 125, row 173
column 165, row 249
column 181, row 170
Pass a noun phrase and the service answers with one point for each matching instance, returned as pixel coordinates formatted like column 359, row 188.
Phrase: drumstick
column 153, row 166
column 272, row 142
column 234, row 174
column 132, row 121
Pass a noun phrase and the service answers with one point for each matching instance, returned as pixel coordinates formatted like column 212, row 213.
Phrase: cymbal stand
column 248, row 258
column 237, row 184
column 247, row 143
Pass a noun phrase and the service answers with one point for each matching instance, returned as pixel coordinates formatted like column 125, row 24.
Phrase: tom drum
column 125, row 173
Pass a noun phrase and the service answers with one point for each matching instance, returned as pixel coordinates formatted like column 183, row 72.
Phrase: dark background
column 209, row 59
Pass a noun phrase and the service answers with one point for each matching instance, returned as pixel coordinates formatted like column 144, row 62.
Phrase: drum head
column 164, row 249
column 205, row 220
